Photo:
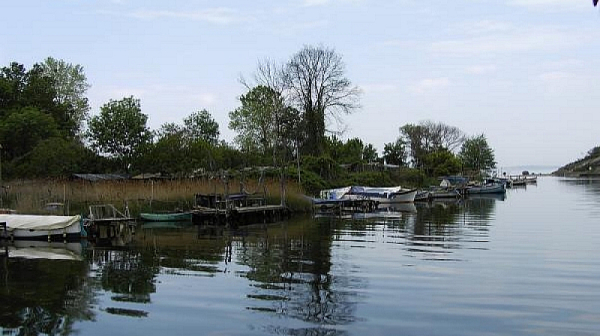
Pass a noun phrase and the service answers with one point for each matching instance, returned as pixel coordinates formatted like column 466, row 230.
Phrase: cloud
column 549, row 4
column 486, row 26
column 211, row 15
column 313, row 3
column 516, row 40
column 378, row 88
column 430, row 84
column 555, row 76
column 310, row 3
column 481, row 69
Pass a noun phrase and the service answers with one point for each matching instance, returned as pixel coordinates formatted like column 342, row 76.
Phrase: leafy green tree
column 201, row 126
column 57, row 157
column 70, row 85
column 476, row 155
column 352, row 151
column 395, row 152
column 255, row 120
column 120, row 130
column 23, row 129
column 369, row 153
column 416, row 138
column 441, row 163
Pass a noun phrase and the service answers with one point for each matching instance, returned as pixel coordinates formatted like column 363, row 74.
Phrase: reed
column 33, row 196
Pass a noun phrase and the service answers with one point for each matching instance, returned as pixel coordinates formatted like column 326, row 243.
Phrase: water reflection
column 43, row 295
column 290, row 267
column 299, row 277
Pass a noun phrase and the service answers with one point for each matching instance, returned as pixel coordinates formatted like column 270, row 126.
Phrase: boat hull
column 493, row 189
column 166, row 217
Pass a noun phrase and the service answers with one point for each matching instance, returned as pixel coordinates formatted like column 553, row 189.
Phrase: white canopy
column 38, row 222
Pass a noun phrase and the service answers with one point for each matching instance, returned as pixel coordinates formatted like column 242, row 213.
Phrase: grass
column 32, row 197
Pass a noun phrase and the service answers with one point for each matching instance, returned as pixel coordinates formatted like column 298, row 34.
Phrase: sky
column 519, row 71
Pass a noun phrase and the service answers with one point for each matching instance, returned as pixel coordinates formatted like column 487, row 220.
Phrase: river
column 524, row 264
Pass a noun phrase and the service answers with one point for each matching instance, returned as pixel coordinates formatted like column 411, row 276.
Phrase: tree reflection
column 291, row 268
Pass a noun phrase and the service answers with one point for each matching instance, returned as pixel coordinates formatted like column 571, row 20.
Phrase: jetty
column 104, row 221
column 236, row 210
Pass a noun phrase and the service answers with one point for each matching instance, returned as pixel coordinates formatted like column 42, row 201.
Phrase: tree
column 201, row 126
column 120, row 130
column 255, row 121
column 23, row 129
column 395, row 152
column 70, row 85
column 369, row 153
column 316, row 83
column 476, row 155
column 417, row 140
column 428, row 137
column 442, row 136
column 441, row 163
column 57, row 157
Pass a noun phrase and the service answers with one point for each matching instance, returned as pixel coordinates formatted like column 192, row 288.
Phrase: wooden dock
column 236, row 210
column 105, row 222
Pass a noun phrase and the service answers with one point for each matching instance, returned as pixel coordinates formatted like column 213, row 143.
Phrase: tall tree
column 442, row 136
column 315, row 80
column 369, row 153
column 120, row 130
column 416, row 138
column 428, row 137
column 70, row 85
column 201, row 126
column 395, row 152
column 255, row 121
column 23, row 129
column 476, row 155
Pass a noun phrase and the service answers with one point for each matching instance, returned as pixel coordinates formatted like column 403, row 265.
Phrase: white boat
column 36, row 227
column 389, row 195
column 334, row 194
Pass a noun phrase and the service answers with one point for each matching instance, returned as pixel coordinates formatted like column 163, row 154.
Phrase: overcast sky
column 519, row 71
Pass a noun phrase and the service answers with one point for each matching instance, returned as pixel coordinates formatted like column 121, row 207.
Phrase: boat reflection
column 43, row 289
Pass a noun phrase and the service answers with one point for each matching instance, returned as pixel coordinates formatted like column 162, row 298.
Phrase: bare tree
column 443, row 136
column 315, row 82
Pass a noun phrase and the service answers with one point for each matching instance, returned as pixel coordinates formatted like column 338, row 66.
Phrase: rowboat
column 492, row 188
column 166, row 217
column 42, row 227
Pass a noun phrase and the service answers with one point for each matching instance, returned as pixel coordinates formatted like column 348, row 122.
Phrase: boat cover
column 38, row 222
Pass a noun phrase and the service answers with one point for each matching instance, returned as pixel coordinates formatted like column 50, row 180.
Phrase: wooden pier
column 105, row 222
column 236, row 210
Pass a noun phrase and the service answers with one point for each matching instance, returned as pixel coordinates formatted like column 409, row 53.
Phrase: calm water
column 528, row 264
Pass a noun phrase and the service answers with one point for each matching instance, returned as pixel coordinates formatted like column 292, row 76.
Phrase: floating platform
column 236, row 210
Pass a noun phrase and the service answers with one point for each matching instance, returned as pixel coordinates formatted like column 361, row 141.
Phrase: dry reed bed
column 138, row 195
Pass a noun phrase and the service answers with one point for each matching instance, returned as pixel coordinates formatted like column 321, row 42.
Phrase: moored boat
column 166, row 217
column 41, row 227
column 491, row 188
column 383, row 195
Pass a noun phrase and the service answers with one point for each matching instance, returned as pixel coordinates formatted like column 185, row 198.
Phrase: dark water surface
column 526, row 264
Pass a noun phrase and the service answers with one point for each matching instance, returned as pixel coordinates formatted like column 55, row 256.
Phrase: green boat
column 166, row 217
